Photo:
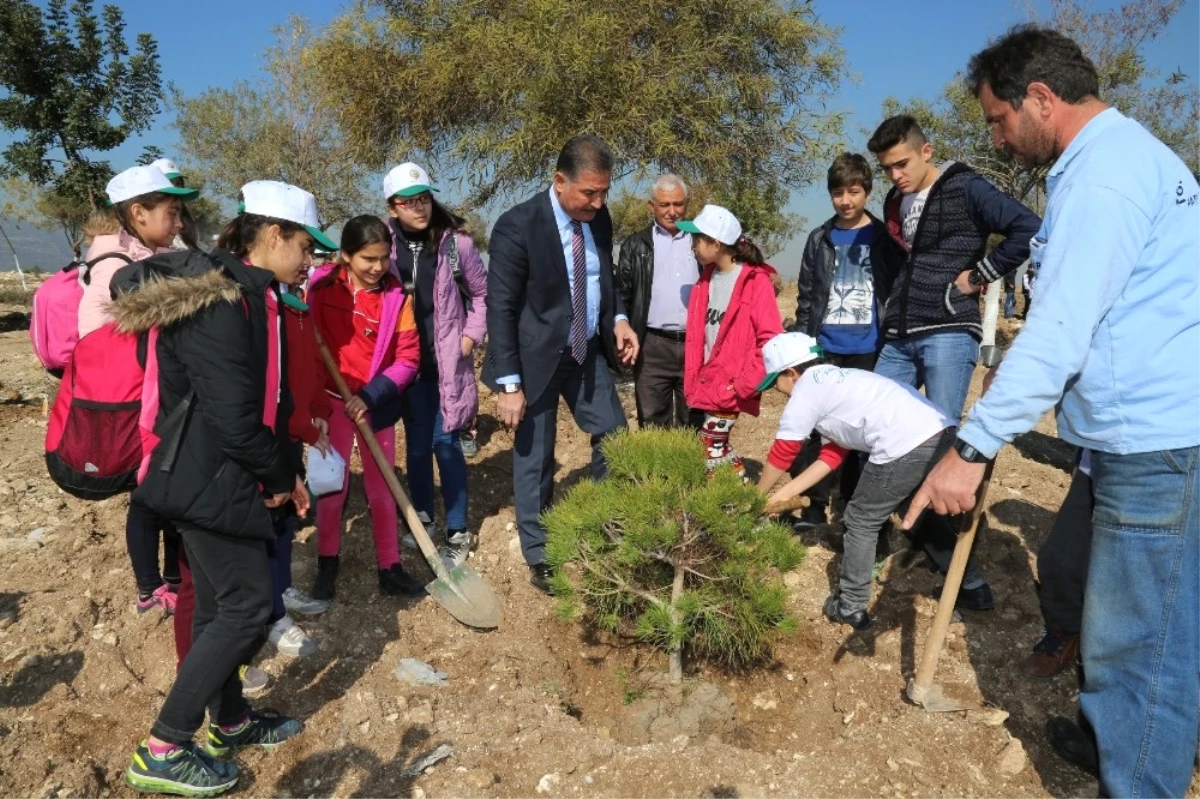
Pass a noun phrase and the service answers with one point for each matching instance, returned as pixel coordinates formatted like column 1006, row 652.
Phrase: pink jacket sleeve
column 475, row 275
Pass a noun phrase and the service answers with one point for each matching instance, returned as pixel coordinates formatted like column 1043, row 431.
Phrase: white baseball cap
column 407, row 180
column 785, row 351
column 139, row 180
column 277, row 200
column 716, row 223
column 168, row 168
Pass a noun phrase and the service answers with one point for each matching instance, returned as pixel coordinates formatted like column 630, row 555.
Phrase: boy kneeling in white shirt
column 904, row 434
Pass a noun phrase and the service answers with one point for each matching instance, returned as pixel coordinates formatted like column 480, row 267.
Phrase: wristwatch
column 974, row 278
column 969, row 453
column 510, row 388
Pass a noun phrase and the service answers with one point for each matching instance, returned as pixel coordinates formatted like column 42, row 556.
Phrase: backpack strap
column 456, row 271
column 86, row 266
column 179, row 417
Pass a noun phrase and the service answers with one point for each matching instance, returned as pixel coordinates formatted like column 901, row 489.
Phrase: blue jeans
column 1141, row 621
column 425, row 438
column 941, row 362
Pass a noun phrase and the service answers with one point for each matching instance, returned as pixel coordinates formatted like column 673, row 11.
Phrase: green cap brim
column 768, row 381
column 413, row 191
column 689, row 226
column 173, row 175
column 320, row 238
column 182, row 192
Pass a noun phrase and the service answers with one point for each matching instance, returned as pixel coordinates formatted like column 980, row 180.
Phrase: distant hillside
column 44, row 249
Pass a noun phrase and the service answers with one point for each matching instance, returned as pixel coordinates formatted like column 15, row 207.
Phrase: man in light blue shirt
column 1112, row 339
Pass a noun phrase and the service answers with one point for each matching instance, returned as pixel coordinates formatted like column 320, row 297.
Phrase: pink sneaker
column 162, row 597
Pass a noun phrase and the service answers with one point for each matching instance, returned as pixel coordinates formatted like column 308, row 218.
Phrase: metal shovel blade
column 932, row 700
column 466, row 597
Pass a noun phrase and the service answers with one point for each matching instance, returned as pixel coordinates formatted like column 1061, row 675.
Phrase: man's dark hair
column 1029, row 54
column 848, row 169
column 584, row 152
column 898, row 129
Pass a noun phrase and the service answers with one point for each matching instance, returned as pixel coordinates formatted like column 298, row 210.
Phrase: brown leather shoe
column 1056, row 652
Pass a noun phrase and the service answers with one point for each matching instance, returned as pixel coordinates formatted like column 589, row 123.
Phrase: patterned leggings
column 715, row 436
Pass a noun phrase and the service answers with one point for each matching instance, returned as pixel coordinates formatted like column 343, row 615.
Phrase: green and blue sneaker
column 264, row 728
column 183, row 772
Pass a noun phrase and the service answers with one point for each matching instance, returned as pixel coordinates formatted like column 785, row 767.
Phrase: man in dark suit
column 555, row 326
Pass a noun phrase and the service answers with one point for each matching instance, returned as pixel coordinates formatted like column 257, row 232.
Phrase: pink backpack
column 54, row 323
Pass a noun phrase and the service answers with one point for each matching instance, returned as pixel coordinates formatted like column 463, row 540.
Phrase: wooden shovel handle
column 795, row 503
column 387, row 469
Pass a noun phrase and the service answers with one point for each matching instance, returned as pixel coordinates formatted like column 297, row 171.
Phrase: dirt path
column 538, row 706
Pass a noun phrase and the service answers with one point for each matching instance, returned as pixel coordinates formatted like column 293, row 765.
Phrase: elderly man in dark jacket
column 655, row 275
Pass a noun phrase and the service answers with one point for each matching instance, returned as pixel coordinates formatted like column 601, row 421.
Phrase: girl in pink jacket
column 147, row 208
column 731, row 314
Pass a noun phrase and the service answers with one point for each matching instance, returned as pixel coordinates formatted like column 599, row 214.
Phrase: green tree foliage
column 1116, row 40
column 760, row 213
column 277, row 128
column 729, row 91
column 71, row 87
column 678, row 560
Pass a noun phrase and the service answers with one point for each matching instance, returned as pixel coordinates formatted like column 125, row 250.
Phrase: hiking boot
column 810, row 517
column 296, row 601
column 183, row 772
column 163, row 597
column 1073, row 744
column 264, row 728
column 458, row 547
column 325, row 586
column 288, row 637
column 540, row 575
column 254, row 681
column 970, row 598
column 430, row 530
column 395, row 581
column 1052, row 655
column 859, row 619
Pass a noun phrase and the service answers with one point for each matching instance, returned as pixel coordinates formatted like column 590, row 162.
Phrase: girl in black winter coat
column 221, row 467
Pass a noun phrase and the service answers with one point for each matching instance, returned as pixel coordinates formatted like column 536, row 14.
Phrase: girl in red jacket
column 367, row 321
column 731, row 315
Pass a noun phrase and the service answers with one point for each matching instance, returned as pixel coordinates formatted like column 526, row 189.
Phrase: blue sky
column 910, row 49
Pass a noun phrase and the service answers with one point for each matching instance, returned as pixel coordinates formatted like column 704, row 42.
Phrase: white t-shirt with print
column 861, row 411
column 911, row 206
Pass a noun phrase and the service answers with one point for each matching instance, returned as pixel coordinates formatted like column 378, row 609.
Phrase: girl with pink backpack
column 145, row 216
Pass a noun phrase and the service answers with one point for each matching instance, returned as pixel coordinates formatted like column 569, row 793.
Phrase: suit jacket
column 529, row 298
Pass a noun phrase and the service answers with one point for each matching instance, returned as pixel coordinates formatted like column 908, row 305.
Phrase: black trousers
column 233, row 603
column 142, row 529
column 591, row 395
column 852, row 466
column 1063, row 558
column 658, row 383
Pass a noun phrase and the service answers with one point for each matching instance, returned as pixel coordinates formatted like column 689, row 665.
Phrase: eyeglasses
column 424, row 198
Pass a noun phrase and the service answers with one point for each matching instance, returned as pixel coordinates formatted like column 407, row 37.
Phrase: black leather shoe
column 859, row 619
column 325, row 586
column 539, row 577
column 971, row 598
column 1073, row 744
column 397, row 582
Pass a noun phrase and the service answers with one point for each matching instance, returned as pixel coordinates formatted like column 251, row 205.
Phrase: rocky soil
column 537, row 707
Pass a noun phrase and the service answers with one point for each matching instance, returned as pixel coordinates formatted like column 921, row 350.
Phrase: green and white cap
column 785, row 351
column 277, row 200
column 407, row 180
column 168, row 168
column 139, row 180
column 716, row 223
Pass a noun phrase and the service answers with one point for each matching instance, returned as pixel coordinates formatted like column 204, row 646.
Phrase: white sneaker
column 457, row 549
column 290, row 640
column 297, row 601
column 430, row 529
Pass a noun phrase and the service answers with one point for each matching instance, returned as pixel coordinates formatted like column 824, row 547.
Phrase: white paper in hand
column 326, row 475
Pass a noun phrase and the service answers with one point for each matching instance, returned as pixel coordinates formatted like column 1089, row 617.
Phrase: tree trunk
column 676, row 668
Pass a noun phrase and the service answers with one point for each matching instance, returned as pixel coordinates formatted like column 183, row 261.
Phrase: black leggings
column 142, row 527
column 233, row 603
